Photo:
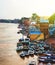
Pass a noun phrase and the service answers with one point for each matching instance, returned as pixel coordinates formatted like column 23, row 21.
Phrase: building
column 44, row 28
column 44, row 25
column 35, row 33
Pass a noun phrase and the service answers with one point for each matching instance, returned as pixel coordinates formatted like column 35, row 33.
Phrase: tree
column 51, row 19
column 35, row 17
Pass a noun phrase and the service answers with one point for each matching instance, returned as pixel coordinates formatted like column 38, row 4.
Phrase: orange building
column 44, row 28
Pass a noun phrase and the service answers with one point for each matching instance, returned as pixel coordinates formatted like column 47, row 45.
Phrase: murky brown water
column 8, row 41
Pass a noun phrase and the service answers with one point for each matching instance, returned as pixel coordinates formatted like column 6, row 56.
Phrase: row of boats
column 41, row 63
column 43, row 50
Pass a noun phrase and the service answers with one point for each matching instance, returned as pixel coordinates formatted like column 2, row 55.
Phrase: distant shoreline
column 8, row 23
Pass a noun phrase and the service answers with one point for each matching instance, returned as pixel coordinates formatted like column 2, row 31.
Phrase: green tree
column 35, row 17
column 51, row 19
column 24, row 18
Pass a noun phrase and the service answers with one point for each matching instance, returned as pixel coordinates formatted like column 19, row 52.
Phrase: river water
column 8, row 42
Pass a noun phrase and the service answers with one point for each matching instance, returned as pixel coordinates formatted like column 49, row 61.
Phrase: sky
column 11, row 9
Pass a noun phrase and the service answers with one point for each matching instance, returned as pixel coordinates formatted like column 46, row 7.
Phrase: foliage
column 35, row 17
column 51, row 19
column 24, row 18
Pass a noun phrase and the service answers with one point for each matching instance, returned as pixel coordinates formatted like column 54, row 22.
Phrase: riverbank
column 8, row 45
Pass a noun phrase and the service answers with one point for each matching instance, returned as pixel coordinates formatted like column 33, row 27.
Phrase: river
column 8, row 42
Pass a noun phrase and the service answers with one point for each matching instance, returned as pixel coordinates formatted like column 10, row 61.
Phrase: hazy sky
column 11, row 9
